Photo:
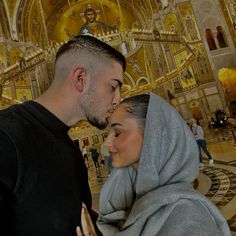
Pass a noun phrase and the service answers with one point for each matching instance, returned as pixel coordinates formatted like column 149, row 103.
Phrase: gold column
column 44, row 24
column 103, row 12
column 120, row 13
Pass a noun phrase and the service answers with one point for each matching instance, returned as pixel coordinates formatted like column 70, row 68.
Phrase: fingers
column 86, row 222
column 89, row 221
column 78, row 231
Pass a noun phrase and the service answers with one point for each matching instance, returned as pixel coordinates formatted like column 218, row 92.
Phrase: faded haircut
column 86, row 50
column 137, row 107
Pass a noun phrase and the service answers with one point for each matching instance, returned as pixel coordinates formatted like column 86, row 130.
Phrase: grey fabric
column 164, row 196
column 115, row 205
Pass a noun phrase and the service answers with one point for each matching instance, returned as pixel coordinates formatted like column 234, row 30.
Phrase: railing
column 127, row 41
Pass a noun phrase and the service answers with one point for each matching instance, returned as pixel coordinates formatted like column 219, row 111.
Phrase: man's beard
column 96, row 122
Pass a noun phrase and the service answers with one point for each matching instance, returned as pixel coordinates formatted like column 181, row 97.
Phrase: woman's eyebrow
column 115, row 124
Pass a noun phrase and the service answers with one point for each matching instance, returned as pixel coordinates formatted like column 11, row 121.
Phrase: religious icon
column 190, row 25
column 202, row 63
column 187, row 76
column 92, row 25
column 95, row 139
column 104, row 135
column 165, row 3
column 85, row 142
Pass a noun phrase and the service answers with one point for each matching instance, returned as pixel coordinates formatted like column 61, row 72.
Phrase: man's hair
column 90, row 45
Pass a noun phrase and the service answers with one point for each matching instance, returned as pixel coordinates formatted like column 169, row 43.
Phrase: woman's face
column 125, row 138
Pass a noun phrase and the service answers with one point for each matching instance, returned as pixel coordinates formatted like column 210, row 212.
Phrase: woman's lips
column 112, row 153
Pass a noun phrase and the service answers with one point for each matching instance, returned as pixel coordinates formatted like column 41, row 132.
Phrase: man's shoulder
column 12, row 120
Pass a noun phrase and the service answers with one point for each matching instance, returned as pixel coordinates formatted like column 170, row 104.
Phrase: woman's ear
column 79, row 76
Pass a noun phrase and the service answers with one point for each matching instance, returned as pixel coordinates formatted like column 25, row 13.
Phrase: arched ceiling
column 60, row 19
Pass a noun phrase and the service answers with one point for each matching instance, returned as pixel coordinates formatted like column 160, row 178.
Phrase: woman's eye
column 117, row 134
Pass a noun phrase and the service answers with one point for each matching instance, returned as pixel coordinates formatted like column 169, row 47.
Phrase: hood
column 169, row 152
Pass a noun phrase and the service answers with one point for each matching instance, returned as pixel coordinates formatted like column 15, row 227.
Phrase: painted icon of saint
column 92, row 25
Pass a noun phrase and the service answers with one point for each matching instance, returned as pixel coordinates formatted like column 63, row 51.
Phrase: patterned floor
column 218, row 183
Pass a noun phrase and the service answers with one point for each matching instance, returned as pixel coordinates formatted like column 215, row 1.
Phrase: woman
column 149, row 192
column 155, row 158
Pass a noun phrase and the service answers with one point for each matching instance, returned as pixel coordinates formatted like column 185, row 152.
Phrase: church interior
column 184, row 51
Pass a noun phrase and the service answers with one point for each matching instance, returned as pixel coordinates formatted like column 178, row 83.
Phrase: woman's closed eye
column 117, row 134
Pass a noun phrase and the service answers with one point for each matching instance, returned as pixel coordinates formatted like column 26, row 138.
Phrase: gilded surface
column 11, row 6
column 107, row 18
column 227, row 77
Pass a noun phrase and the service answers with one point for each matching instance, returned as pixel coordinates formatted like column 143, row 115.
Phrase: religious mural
column 15, row 53
column 229, row 10
column 150, row 66
column 23, row 94
column 189, row 21
column 136, row 65
column 6, row 91
column 3, row 59
column 231, row 5
column 202, row 64
column 186, row 78
column 94, row 27
column 172, row 25
column 93, row 18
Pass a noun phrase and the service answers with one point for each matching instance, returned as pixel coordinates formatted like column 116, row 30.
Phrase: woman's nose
column 108, row 141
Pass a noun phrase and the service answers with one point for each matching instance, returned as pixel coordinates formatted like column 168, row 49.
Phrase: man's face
column 103, row 95
column 90, row 16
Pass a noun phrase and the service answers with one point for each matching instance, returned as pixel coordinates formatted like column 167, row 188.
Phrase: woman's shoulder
column 191, row 217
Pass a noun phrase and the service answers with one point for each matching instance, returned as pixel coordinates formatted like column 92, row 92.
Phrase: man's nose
column 116, row 100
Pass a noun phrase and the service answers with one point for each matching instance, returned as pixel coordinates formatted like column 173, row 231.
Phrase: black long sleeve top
column 43, row 179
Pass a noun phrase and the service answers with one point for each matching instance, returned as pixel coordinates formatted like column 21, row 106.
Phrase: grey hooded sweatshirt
column 159, row 198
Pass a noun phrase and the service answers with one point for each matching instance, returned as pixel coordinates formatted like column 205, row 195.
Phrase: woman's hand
column 86, row 224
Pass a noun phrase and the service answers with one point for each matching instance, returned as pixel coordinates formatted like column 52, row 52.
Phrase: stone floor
column 218, row 183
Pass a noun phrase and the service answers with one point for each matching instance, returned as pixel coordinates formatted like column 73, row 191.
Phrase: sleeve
column 186, row 218
column 8, row 177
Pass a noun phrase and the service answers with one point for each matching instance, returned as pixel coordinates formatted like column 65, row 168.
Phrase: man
column 84, row 154
column 95, row 155
column 92, row 26
column 201, row 142
column 43, row 179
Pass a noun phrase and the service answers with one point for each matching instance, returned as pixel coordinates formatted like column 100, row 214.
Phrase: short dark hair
column 90, row 10
column 92, row 45
column 137, row 107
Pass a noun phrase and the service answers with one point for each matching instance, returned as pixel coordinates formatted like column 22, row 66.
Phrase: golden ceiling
column 58, row 20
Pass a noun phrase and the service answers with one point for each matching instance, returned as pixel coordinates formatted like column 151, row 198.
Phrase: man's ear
column 79, row 76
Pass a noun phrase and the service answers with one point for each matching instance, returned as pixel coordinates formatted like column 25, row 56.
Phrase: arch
column 142, row 81
column 5, row 19
column 220, row 36
column 210, row 40
column 129, row 80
